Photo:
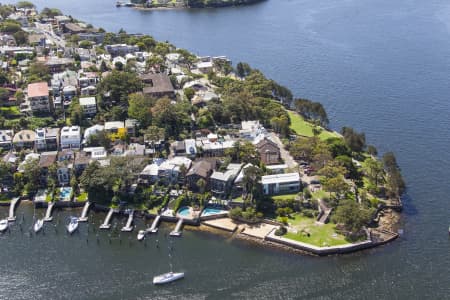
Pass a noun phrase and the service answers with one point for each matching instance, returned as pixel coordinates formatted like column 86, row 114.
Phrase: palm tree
column 201, row 184
column 252, row 176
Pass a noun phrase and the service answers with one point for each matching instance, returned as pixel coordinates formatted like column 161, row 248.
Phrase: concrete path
column 285, row 155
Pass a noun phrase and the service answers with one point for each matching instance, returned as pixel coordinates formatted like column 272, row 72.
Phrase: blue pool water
column 212, row 211
column 184, row 211
column 64, row 193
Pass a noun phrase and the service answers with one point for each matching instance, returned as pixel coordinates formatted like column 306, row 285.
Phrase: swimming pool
column 209, row 211
column 64, row 193
column 184, row 211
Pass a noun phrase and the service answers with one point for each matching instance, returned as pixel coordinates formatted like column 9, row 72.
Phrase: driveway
column 285, row 155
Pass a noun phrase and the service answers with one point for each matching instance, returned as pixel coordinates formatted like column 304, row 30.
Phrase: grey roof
column 157, row 83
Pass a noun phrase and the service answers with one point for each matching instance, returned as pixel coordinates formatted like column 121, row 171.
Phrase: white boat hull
column 38, row 225
column 141, row 235
column 73, row 225
column 3, row 225
column 167, row 277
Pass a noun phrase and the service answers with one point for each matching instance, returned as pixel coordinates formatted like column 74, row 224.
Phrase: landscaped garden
column 307, row 231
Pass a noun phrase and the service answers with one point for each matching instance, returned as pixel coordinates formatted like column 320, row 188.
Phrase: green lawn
column 238, row 200
column 154, row 210
column 48, row 197
column 319, row 235
column 320, row 194
column 304, row 128
column 11, row 111
column 82, row 197
column 284, row 197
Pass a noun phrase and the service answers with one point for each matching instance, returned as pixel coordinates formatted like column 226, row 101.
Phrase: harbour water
column 379, row 66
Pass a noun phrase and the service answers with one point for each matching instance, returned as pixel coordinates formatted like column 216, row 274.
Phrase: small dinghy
column 167, row 277
column 141, row 235
column 3, row 225
column 38, row 225
column 73, row 225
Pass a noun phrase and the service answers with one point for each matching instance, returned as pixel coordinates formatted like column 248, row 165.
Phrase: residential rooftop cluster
column 123, row 117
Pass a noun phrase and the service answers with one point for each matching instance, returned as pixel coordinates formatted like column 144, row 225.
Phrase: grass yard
column 284, row 197
column 154, row 210
column 320, row 194
column 82, row 197
column 10, row 111
column 319, row 235
column 238, row 200
column 304, row 128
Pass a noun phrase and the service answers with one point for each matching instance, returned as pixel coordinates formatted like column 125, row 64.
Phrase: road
column 285, row 155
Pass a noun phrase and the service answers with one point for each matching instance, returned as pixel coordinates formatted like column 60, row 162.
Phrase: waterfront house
column 70, row 137
column 157, row 85
column 45, row 161
column 149, row 174
column 64, row 165
column 47, row 139
column 29, row 157
column 238, row 185
column 89, row 106
column 201, row 169
column 281, row 183
column 269, row 151
column 72, row 28
column 170, row 170
column 205, row 67
column 24, row 139
column 81, row 161
column 95, row 37
column 37, row 98
column 222, row 182
column 61, row 20
column 6, row 138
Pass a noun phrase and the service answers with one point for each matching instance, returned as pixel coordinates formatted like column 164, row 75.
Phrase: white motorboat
column 141, row 235
column 38, row 225
column 3, row 225
column 73, row 225
column 167, row 277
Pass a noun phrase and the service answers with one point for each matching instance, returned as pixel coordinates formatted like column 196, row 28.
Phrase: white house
column 169, row 170
column 91, row 131
column 251, row 130
column 6, row 137
column 70, row 137
column 89, row 106
column 281, row 183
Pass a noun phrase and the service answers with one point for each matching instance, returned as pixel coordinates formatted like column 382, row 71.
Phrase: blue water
column 184, row 211
column 212, row 211
column 64, row 193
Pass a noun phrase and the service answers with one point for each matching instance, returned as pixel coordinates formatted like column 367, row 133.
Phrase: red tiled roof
column 38, row 89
